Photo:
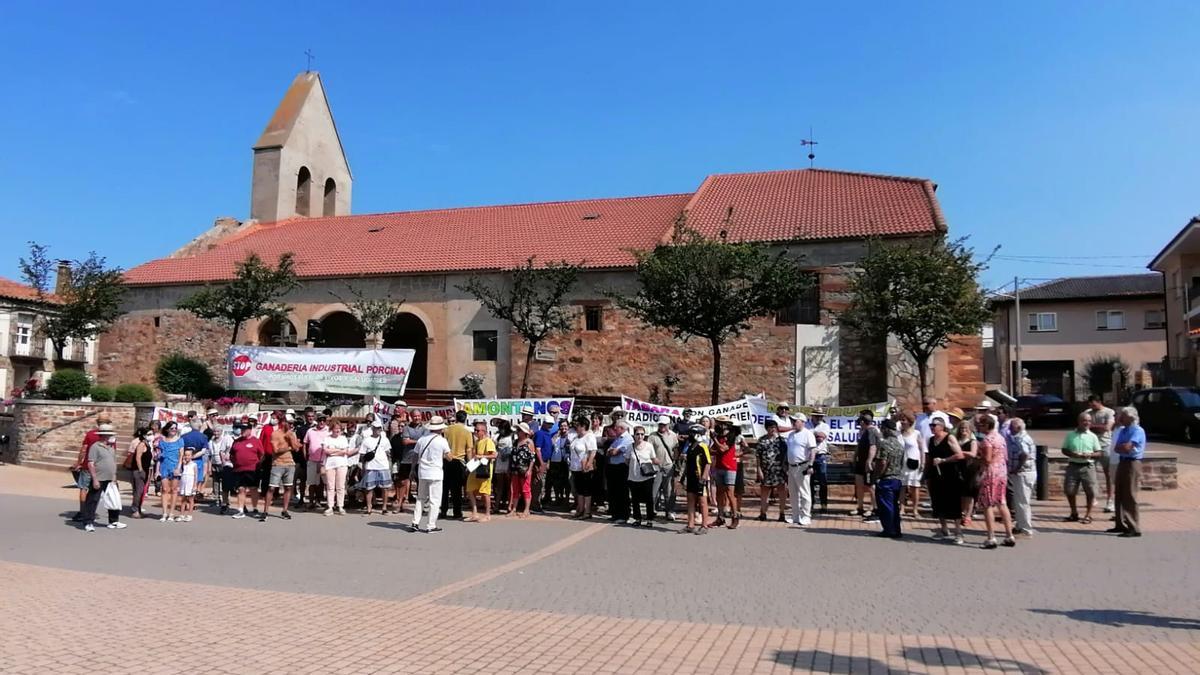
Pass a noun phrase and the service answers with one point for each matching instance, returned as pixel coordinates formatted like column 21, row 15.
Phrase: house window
column 1156, row 318
column 485, row 345
column 593, row 317
column 1110, row 319
column 1043, row 322
column 807, row 307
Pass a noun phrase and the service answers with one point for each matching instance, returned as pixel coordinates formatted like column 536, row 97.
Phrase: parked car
column 1043, row 410
column 1170, row 411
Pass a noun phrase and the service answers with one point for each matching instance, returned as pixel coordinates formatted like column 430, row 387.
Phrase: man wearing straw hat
column 432, row 452
column 102, row 466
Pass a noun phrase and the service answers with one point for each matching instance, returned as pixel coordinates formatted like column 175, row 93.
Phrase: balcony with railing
column 25, row 346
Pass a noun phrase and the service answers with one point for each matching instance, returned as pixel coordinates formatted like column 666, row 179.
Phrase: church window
column 485, row 345
column 593, row 317
column 807, row 307
column 303, row 184
column 330, row 197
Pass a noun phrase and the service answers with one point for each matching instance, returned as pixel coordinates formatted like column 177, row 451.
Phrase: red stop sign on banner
column 241, row 365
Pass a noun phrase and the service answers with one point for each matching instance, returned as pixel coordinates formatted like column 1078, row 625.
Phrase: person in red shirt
column 726, row 450
column 246, row 454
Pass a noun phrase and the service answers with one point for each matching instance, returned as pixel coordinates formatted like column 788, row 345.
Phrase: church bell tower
column 300, row 167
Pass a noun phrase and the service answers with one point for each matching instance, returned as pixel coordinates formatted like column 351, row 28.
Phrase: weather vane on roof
column 811, row 144
column 308, row 53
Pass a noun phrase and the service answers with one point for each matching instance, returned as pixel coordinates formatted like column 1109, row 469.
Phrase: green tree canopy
column 697, row 287
column 256, row 292
column 373, row 314
column 85, row 302
column 923, row 293
column 532, row 300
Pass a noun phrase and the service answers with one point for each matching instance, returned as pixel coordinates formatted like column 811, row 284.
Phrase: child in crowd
column 187, row 486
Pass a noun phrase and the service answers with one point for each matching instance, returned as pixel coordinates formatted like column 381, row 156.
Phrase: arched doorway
column 277, row 333
column 341, row 329
column 407, row 331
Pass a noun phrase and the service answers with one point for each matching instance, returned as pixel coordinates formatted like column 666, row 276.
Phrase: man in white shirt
column 928, row 407
column 801, row 450
column 432, row 451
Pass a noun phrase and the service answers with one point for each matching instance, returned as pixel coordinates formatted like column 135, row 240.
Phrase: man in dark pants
column 102, row 467
column 820, row 467
column 617, row 473
column 454, row 470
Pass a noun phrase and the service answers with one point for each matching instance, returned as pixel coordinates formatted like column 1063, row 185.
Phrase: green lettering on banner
column 493, row 408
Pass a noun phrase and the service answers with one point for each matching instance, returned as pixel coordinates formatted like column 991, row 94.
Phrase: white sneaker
column 117, row 526
column 1108, row 506
column 89, row 528
column 328, row 512
column 240, row 514
column 164, row 518
column 179, row 519
column 671, row 517
column 805, row 522
column 187, row 518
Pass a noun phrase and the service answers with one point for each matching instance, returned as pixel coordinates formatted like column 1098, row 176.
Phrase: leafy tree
column 697, row 287
column 531, row 300
column 1103, row 371
column 255, row 293
column 923, row 293
column 373, row 314
column 86, row 301
column 178, row 374
column 102, row 394
column 68, row 384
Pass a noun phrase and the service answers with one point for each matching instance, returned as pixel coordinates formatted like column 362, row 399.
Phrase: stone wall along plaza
column 54, row 430
column 133, row 346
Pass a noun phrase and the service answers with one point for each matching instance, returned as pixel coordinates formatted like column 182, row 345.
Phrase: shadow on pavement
column 910, row 537
column 1118, row 618
column 819, row 661
column 949, row 657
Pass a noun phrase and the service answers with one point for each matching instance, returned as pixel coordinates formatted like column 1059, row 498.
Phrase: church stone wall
column 133, row 346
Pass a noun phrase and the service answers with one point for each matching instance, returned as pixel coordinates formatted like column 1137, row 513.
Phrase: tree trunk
column 528, row 360
column 58, row 349
column 716, row 380
column 922, row 374
column 236, row 327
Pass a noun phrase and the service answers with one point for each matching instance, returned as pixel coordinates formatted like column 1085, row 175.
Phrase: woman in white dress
column 914, row 463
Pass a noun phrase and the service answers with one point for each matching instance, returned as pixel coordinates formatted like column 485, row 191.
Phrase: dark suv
column 1170, row 411
column 1043, row 410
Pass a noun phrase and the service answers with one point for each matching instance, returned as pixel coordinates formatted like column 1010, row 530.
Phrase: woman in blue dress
column 170, row 447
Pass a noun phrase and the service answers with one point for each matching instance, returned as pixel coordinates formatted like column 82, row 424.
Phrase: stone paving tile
column 552, row 596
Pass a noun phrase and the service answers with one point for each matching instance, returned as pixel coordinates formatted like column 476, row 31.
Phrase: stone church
column 300, row 202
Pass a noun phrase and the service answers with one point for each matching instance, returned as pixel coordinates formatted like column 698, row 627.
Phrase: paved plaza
column 360, row 594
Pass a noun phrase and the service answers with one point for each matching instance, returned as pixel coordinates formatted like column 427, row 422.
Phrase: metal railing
column 34, row 348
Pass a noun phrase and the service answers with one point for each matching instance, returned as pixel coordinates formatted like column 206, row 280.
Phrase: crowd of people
column 981, row 463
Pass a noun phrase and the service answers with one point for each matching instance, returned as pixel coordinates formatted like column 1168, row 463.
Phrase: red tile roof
column 813, row 204
column 14, row 290
column 769, row 206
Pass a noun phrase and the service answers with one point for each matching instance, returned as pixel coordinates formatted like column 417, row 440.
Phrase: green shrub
column 68, row 384
column 133, row 393
column 102, row 394
column 179, row 374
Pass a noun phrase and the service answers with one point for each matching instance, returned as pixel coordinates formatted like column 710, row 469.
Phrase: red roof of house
column 807, row 204
column 14, row 290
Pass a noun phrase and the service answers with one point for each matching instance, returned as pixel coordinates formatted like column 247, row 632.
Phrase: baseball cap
column 663, row 419
column 377, row 424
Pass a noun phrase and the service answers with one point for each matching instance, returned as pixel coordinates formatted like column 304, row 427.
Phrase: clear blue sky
column 1054, row 129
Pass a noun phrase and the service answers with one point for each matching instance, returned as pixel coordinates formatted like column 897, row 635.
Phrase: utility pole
column 1019, row 384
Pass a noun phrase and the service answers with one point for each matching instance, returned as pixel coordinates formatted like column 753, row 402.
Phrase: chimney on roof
column 62, row 280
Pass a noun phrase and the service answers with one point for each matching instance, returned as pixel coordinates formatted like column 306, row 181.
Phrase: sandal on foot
column 1073, row 518
column 1087, row 520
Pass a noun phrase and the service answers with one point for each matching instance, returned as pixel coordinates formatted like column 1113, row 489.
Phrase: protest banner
column 841, row 420
column 510, row 408
column 646, row 414
column 385, row 411
column 369, row 372
column 224, row 419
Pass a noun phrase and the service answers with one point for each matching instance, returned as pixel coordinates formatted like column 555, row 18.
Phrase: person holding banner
column 666, row 444
column 581, row 462
column 772, row 460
